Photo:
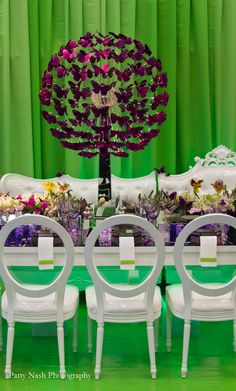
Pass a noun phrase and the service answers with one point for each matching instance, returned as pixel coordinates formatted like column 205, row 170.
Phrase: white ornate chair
column 220, row 163
column 129, row 189
column 0, row 321
column 16, row 184
column 123, row 303
column 30, row 303
column 192, row 300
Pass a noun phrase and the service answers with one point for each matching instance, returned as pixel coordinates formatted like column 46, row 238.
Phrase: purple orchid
column 31, row 202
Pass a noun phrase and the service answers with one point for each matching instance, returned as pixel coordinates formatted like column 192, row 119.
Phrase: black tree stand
column 104, row 184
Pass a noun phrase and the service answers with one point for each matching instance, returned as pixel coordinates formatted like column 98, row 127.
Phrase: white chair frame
column 220, row 163
column 190, row 285
column 102, row 286
column 0, row 321
column 125, row 188
column 57, row 286
column 16, row 184
column 130, row 188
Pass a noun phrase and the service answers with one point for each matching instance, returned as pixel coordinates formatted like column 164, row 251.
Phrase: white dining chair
column 192, row 300
column 124, row 303
column 39, row 303
column 0, row 321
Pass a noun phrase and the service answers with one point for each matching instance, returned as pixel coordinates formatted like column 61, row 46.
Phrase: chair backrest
column 16, row 184
column 147, row 285
column 58, row 285
column 125, row 188
column 220, row 163
column 189, row 284
column 129, row 189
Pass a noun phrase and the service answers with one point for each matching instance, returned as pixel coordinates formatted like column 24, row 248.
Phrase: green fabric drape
column 195, row 40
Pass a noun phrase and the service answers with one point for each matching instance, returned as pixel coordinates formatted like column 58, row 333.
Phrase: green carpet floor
column 125, row 366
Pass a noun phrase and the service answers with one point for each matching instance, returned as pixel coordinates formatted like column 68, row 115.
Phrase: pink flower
column 44, row 204
column 31, row 202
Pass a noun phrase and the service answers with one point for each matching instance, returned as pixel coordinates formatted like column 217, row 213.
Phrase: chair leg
column 60, row 339
column 151, row 347
column 234, row 325
column 75, row 331
column 89, row 325
column 185, row 348
column 100, row 333
column 168, row 327
column 10, row 342
column 156, row 331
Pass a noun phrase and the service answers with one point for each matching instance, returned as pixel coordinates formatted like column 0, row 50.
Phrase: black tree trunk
column 104, row 184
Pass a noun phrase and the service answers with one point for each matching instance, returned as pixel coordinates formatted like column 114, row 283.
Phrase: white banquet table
column 109, row 256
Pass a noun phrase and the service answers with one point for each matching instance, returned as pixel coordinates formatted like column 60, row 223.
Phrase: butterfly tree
column 104, row 95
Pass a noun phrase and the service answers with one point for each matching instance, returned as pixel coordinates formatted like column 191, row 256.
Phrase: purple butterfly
column 85, row 93
column 142, row 91
column 88, row 154
column 97, row 70
column 122, row 56
column 97, row 88
column 123, row 120
column 49, row 118
column 73, row 103
column 160, row 170
column 78, row 115
column 60, row 92
column 76, row 72
column 57, row 133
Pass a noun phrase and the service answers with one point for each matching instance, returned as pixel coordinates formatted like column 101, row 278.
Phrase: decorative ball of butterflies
column 104, row 95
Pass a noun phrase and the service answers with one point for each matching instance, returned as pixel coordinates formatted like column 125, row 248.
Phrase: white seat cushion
column 117, row 309
column 203, row 307
column 42, row 308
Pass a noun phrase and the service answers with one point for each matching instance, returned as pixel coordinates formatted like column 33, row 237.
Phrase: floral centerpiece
column 9, row 205
column 211, row 203
column 154, row 203
column 218, row 202
column 56, row 202
column 62, row 205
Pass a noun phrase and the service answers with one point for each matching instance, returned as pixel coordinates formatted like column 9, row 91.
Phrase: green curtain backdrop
column 195, row 40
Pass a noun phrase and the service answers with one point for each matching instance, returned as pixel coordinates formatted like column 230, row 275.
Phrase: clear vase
column 73, row 227
column 165, row 232
column 105, row 238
